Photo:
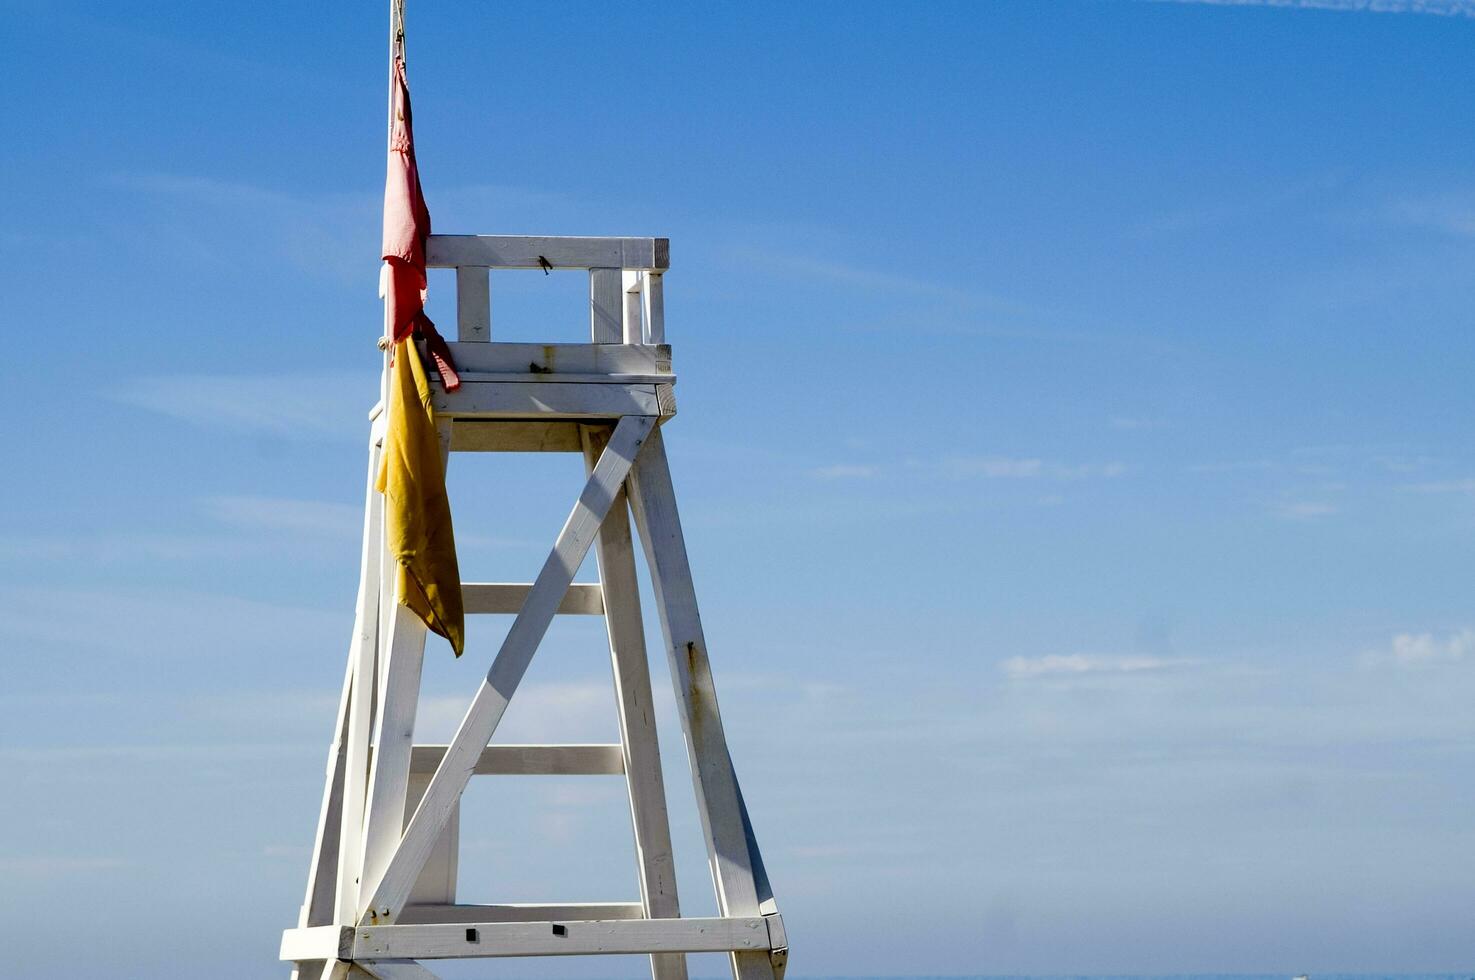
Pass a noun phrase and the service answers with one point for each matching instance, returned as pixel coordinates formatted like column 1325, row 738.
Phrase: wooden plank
column 487, row 436
column 390, row 890
column 361, row 652
column 317, row 943
column 384, row 819
column 525, row 252
column 573, row 938
column 507, row 598
column 560, row 359
column 473, row 304
column 539, row 400
column 414, row 914
column 322, row 876
column 653, row 501
column 632, row 282
column 531, row 760
column 655, row 864
column 654, row 296
column 395, row 970
column 394, row 731
column 606, row 307
column 437, row 881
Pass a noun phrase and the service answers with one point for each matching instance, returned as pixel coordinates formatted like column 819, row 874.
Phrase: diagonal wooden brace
column 393, row 888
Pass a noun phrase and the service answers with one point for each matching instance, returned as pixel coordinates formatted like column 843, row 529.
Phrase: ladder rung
column 537, row 938
column 507, row 598
column 575, row 912
column 531, row 760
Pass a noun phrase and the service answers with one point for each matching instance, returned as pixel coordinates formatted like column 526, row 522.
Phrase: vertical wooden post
column 473, row 303
column 653, row 500
column 606, row 306
column 615, row 552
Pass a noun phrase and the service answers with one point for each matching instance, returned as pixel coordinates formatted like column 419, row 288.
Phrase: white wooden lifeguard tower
column 381, row 891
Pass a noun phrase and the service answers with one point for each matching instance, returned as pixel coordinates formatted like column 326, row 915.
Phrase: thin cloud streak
column 1438, row 8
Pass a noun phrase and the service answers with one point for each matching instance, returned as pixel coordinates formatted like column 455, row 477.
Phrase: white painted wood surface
column 572, row 759
column 391, row 889
column 653, row 501
column 654, row 296
column 519, row 436
column 606, row 307
column 361, row 652
column 560, row 359
column 520, row 912
column 547, row 400
column 576, row 938
column 655, row 864
column 473, row 304
column 395, row 970
column 525, row 252
column 507, row 598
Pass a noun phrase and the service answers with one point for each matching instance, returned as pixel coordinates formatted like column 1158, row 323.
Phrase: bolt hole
column 472, row 937
column 559, row 930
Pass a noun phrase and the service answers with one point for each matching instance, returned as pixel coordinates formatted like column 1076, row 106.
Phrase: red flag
column 406, row 227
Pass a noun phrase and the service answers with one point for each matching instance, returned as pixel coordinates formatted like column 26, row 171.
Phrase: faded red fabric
column 406, row 227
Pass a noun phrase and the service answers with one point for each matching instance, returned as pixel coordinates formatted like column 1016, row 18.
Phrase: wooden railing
column 626, row 304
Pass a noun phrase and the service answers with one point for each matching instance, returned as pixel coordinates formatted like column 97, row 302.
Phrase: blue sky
column 1074, row 450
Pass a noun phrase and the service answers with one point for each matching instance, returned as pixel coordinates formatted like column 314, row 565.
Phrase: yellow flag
column 417, row 512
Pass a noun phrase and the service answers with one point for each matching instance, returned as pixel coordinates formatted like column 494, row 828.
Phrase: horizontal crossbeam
column 546, row 938
column 547, row 252
column 546, row 399
column 554, row 361
column 524, row 436
column 582, row 911
column 506, row 598
column 531, row 760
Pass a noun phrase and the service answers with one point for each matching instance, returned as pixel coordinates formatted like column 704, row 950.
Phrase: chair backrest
column 626, row 305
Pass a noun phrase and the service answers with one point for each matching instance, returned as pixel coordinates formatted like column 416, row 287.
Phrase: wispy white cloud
column 1466, row 485
column 1027, row 468
column 46, row 866
column 1439, row 8
column 1082, row 663
column 1413, row 649
column 302, row 407
column 844, row 471
column 280, row 514
column 1304, row 510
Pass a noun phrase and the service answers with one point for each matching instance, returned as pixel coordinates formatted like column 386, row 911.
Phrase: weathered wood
column 606, row 307
column 486, row 436
column 414, row 914
column 395, row 970
column 361, row 652
column 506, row 598
column 525, row 252
column 572, row 938
column 615, row 552
column 654, row 296
column 473, row 304
column 547, row 360
column 437, row 881
column 317, row 943
column 546, row 400
column 390, row 890
column 632, row 283
column 394, row 737
column 653, row 501
column 530, row 760
column 322, row 875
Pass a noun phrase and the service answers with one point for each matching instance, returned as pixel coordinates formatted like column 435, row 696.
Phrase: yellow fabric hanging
column 417, row 511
